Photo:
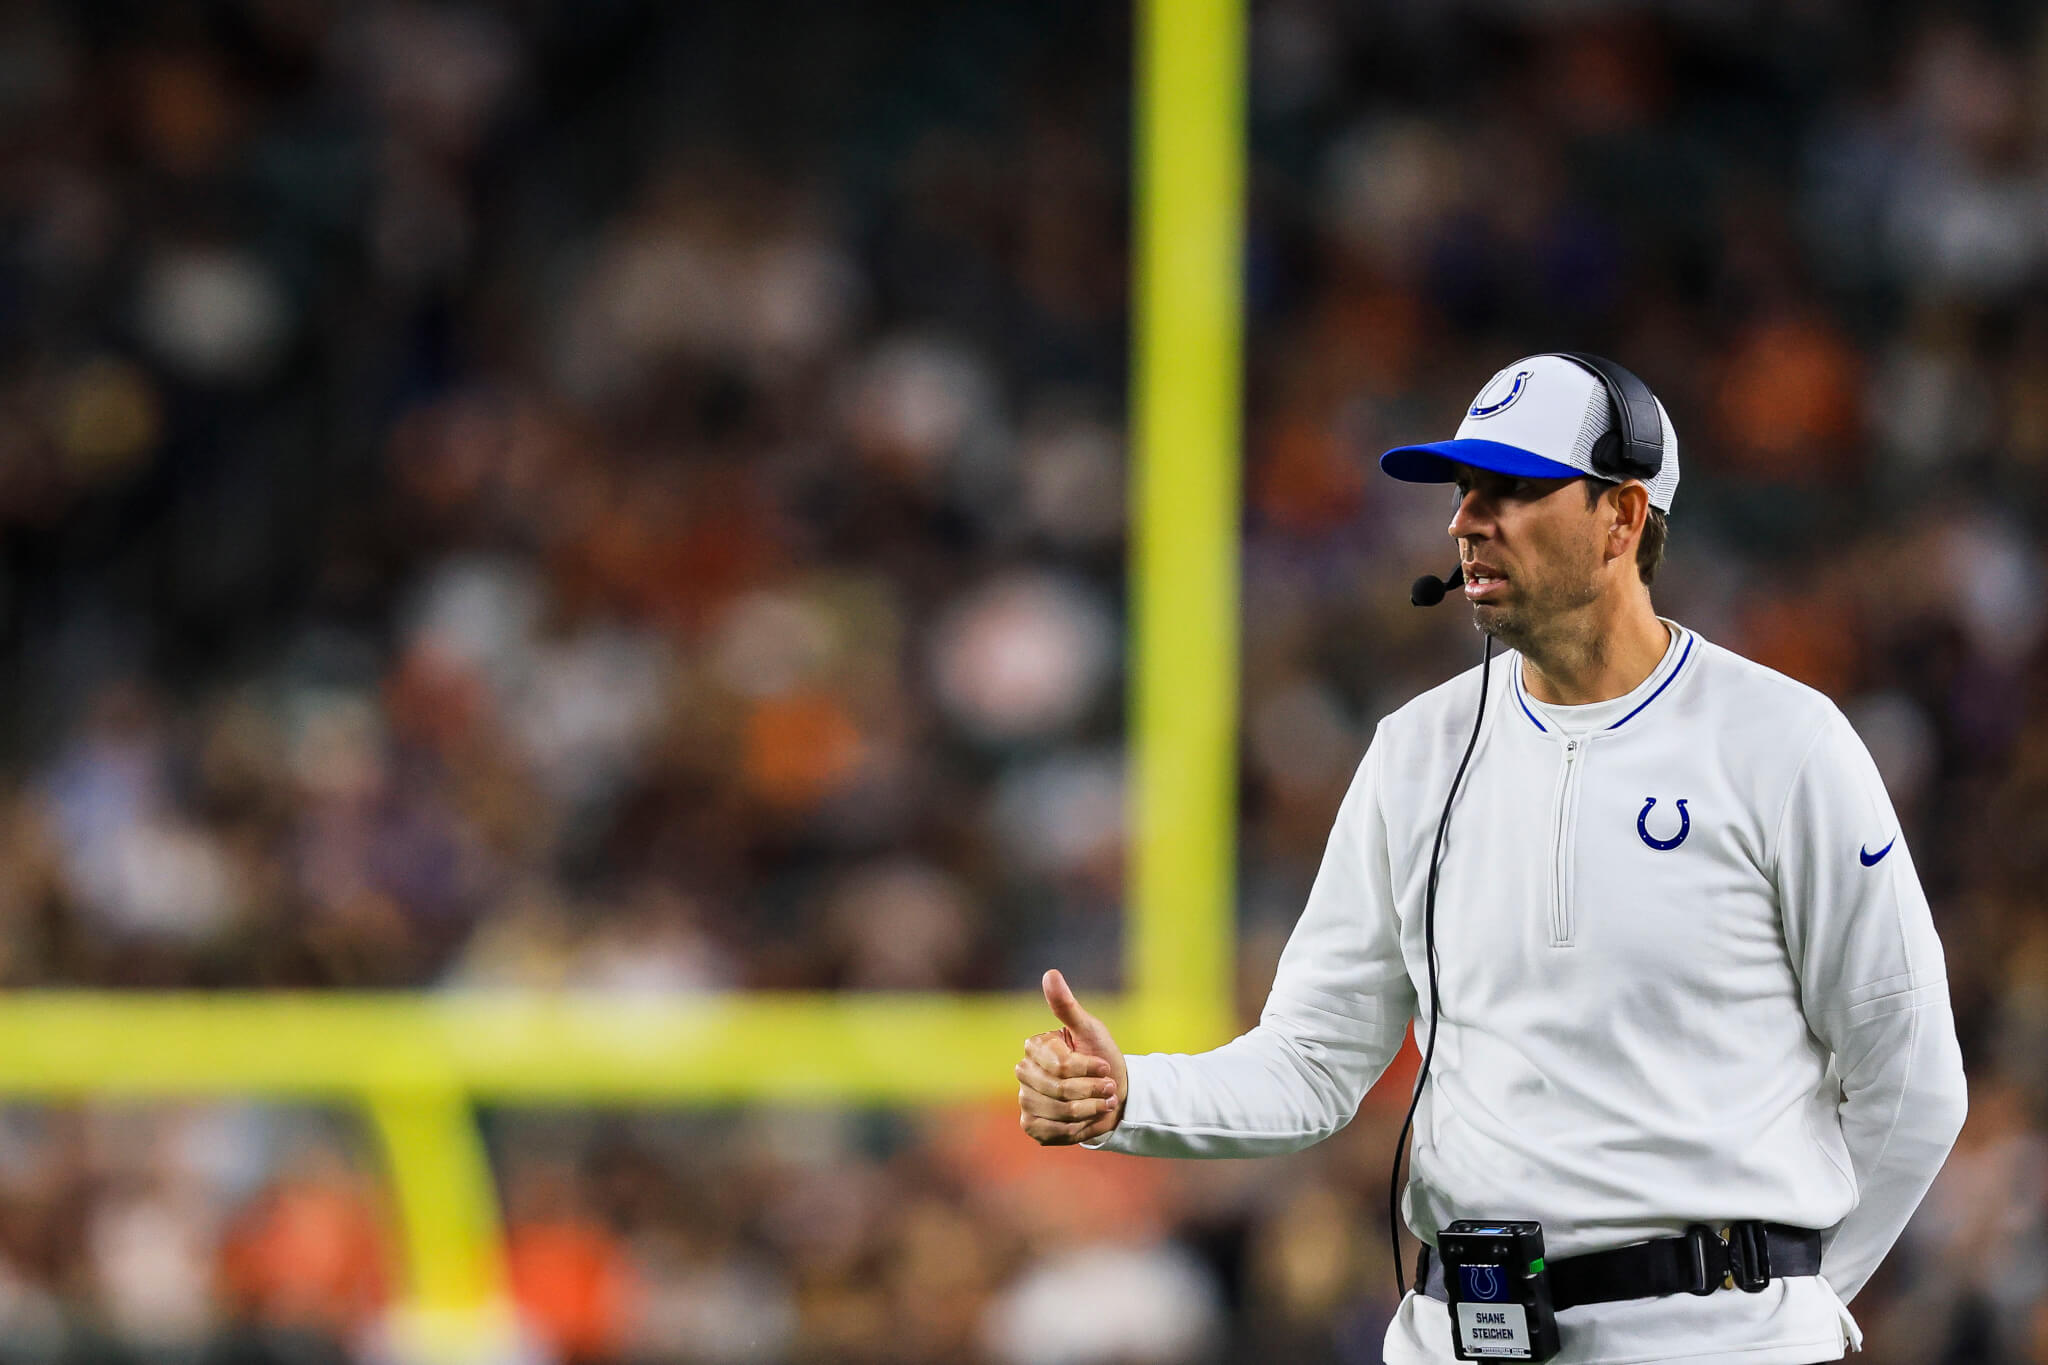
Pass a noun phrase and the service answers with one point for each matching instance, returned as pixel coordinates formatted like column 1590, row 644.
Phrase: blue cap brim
column 1437, row 461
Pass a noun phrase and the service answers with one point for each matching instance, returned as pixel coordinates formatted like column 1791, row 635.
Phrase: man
column 1686, row 974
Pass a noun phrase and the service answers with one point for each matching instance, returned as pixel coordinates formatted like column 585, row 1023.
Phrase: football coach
column 1689, row 1057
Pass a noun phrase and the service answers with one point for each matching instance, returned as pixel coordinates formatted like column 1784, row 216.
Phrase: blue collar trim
column 1660, row 687
column 1517, row 680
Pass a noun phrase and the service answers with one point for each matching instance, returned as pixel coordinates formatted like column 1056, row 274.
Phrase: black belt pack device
column 1498, row 1290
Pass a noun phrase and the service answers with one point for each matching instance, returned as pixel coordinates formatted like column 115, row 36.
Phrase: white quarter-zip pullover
column 1688, row 975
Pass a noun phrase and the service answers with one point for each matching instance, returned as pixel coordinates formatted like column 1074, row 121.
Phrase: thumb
column 1086, row 1028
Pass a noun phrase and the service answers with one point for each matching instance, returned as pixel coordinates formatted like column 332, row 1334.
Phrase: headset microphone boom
column 1430, row 590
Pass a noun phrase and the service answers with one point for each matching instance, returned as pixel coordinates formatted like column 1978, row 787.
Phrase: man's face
column 1531, row 550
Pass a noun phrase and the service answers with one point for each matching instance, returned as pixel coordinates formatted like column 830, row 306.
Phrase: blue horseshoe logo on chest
column 1663, row 845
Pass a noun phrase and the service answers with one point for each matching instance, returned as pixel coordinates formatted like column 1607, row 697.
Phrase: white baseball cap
column 1538, row 418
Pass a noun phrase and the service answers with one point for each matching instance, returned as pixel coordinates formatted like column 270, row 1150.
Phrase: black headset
column 1632, row 447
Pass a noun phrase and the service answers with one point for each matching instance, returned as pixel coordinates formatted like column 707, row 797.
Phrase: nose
column 1472, row 519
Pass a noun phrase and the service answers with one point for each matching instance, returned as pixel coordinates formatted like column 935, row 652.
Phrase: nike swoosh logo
column 1873, row 859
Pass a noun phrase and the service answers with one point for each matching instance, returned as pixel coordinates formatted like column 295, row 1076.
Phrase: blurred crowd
column 629, row 496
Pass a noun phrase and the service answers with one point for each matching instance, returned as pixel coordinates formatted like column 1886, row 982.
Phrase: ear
column 1625, row 508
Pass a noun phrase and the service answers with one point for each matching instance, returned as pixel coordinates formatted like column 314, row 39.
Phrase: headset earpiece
column 1633, row 445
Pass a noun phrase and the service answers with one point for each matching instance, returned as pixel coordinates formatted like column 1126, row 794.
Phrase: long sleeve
column 1336, row 1016
column 1874, row 990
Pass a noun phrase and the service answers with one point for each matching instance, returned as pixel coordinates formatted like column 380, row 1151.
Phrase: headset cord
column 1429, row 958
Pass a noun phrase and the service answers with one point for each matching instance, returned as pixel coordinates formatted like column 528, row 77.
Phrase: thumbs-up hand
column 1072, row 1081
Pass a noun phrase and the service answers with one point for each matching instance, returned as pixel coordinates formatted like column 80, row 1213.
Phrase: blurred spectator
column 570, row 1278
column 308, row 1255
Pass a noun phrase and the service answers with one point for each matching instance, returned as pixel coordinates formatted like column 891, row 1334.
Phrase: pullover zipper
column 1563, row 827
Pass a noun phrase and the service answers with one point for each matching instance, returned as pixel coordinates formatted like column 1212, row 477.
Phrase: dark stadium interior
column 629, row 496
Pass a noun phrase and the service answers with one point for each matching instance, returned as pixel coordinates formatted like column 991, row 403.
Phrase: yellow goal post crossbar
column 417, row 1063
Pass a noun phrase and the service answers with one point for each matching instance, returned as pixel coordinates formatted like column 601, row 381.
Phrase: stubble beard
column 1540, row 626
column 1504, row 624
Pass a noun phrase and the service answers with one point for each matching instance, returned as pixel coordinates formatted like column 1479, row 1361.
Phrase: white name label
column 1494, row 1329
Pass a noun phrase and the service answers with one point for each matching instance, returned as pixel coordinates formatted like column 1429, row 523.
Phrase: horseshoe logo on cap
column 1489, row 409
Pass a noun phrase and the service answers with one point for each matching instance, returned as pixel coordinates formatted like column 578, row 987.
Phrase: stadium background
column 631, row 499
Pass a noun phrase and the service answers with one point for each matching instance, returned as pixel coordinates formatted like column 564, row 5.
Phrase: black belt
column 1744, row 1256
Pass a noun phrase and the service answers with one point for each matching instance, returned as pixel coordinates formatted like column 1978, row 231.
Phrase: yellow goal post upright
column 418, row 1063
